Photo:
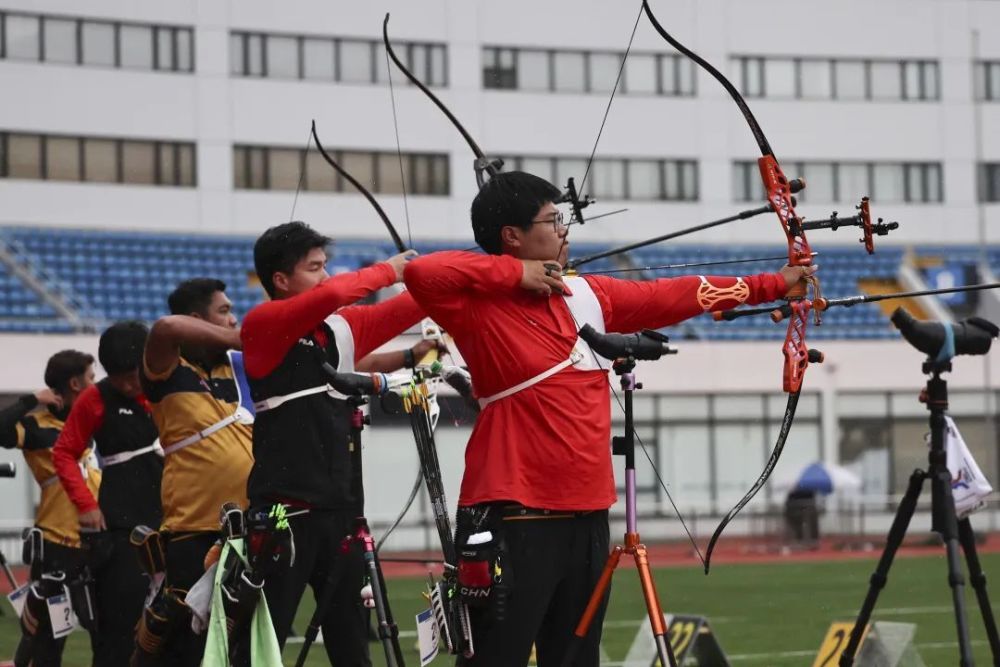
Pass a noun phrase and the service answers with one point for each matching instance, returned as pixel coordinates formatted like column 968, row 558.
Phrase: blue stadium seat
column 126, row 274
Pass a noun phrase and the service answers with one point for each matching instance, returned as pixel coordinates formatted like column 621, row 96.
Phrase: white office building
column 194, row 116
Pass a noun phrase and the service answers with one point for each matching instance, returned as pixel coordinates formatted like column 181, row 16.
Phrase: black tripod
column 359, row 538
column 944, row 521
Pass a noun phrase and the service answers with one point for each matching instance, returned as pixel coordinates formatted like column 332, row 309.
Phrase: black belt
column 520, row 513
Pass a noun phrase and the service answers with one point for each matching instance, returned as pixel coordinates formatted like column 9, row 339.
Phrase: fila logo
column 125, row 411
column 306, row 341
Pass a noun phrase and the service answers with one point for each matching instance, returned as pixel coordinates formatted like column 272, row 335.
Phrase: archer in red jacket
column 301, row 444
column 538, row 472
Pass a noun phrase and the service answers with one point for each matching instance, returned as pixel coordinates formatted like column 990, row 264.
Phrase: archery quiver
column 148, row 544
column 268, row 540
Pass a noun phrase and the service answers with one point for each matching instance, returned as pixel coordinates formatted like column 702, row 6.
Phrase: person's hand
column 398, row 262
column 793, row 275
column 94, row 520
column 48, row 397
column 421, row 349
column 542, row 277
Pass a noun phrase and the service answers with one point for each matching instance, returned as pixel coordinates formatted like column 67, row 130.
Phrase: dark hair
column 64, row 366
column 121, row 345
column 509, row 199
column 194, row 295
column 280, row 248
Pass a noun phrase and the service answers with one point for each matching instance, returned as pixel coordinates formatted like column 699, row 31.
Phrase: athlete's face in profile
column 220, row 311
column 546, row 239
column 308, row 272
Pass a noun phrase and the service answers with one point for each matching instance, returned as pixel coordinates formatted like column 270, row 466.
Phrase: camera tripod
column 633, row 546
column 944, row 521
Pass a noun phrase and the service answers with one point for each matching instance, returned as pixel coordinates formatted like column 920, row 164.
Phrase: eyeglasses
column 558, row 221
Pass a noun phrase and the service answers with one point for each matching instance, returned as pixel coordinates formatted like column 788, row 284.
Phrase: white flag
column 968, row 484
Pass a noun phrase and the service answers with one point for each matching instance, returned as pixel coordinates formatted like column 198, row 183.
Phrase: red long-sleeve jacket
column 548, row 446
column 271, row 329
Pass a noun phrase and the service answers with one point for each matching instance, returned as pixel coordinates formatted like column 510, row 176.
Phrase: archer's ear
column 510, row 236
column 280, row 281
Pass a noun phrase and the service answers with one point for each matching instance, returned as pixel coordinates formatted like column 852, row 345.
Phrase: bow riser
column 795, row 351
column 779, row 194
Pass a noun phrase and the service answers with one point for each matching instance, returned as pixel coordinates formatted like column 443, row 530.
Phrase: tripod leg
column 878, row 579
column 946, row 523
column 592, row 606
column 653, row 608
column 978, row 580
column 387, row 630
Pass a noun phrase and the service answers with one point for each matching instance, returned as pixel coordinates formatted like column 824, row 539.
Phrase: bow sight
column 572, row 197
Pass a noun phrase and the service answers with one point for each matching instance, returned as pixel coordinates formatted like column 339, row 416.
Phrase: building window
column 62, row 159
column 989, row 182
column 22, row 37
column 832, row 182
column 23, row 156
column 100, row 160
column 611, row 179
column 988, row 80
column 499, row 68
column 815, row 79
column 344, row 60
column 276, row 168
column 60, row 41
column 752, row 77
column 848, row 79
column 318, row 60
column 603, row 71
column 642, row 74
column 96, row 160
column 569, row 72
column 534, row 70
column 74, row 41
column 781, row 78
column 283, row 57
column 563, row 71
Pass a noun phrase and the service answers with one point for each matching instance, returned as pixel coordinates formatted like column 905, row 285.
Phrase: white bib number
column 61, row 615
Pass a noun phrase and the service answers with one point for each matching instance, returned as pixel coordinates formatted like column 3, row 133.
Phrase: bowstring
column 607, row 110
column 302, row 175
column 399, row 150
column 642, row 445
column 614, row 392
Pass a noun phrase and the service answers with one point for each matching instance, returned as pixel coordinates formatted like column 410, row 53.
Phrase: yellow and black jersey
column 35, row 434
column 198, row 478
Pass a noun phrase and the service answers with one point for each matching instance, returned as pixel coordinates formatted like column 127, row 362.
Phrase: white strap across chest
column 585, row 309
column 241, row 415
column 122, row 457
column 344, row 338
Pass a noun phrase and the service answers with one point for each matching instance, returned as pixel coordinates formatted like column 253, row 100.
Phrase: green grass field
column 764, row 615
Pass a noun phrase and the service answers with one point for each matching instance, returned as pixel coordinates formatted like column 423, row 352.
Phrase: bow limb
column 396, row 238
column 779, row 191
column 482, row 164
column 786, row 425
